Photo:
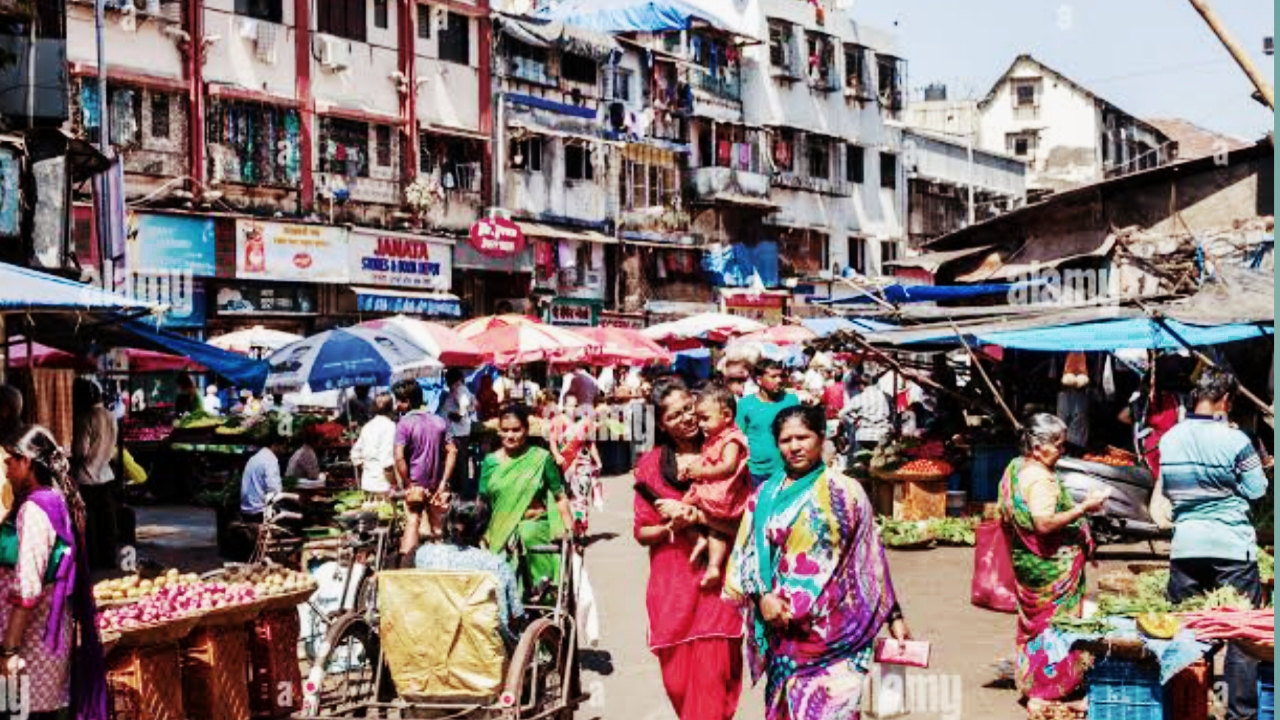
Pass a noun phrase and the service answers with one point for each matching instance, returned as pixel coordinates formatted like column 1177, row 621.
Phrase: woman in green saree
column 522, row 485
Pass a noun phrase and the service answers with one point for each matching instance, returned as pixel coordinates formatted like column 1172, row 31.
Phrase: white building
column 1068, row 135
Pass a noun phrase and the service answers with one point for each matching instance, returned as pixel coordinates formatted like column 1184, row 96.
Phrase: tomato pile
column 175, row 602
column 1112, row 460
column 925, row 467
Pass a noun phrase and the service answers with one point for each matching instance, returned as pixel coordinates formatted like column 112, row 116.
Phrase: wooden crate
column 910, row 499
column 145, row 683
column 215, row 673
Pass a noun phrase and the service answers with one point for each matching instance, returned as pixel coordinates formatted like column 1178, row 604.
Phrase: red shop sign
column 755, row 301
column 497, row 237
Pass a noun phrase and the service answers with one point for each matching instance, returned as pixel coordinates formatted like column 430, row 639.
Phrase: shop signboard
column 766, row 308
column 573, row 312
column 245, row 299
column 285, row 251
column 497, row 237
column 632, row 321
column 386, row 259
column 170, row 244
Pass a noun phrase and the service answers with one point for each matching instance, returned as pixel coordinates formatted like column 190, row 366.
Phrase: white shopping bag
column 886, row 692
column 588, row 616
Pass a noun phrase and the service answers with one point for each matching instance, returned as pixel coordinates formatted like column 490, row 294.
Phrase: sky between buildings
column 1152, row 58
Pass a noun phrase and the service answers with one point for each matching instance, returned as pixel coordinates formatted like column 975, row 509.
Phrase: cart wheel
column 347, row 667
column 540, row 670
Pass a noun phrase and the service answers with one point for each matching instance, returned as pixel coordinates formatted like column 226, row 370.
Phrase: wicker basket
column 287, row 601
column 275, row 674
column 163, row 633
column 215, row 674
column 237, row 615
column 146, row 683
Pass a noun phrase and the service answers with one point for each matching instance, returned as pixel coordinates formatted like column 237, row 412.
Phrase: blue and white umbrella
column 346, row 358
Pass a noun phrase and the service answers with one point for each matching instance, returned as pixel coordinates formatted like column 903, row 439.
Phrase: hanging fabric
column 568, row 254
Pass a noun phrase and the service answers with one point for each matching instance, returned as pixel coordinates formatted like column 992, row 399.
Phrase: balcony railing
column 726, row 87
column 530, row 71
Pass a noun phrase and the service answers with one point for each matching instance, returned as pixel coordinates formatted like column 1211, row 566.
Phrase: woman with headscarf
column 1050, row 544
column 44, row 569
column 811, row 571
column 696, row 635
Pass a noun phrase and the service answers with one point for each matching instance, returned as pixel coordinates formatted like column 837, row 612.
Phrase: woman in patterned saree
column 522, row 486
column 810, row 567
column 573, row 445
column 1050, row 543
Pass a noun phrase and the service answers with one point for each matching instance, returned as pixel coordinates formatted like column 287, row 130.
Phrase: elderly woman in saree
column 810, row 568
column 1050, row 543
column 523, row 487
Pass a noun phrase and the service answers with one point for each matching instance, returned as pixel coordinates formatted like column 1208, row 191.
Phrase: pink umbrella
column 43, row 356
column 533, row 342
column 780, row 335
column 443, row 343
column 624, row 346
column 471, row 328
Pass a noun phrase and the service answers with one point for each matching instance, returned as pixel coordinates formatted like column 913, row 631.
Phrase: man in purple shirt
column 425, row 454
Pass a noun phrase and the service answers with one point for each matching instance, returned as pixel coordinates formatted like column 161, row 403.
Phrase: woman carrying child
column 720, row 478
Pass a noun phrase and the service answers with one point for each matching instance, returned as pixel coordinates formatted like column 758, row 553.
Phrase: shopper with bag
column 1050, row 543
column 811, row 571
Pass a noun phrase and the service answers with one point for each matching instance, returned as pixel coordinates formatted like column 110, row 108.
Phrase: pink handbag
column 994, row 586
column 911, row 653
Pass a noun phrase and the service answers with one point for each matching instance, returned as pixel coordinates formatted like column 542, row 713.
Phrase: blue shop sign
column 373, row 301
column 170, row 243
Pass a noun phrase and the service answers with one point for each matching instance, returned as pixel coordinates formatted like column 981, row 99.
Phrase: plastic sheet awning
column 741, row 17
column 26, row 290
column 829, row 326
column 1130, row 334
column 900, row 294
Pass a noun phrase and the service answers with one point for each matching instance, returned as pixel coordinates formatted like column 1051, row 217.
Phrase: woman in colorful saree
column 573, row 444
column 696, row 635
column 810, row 567
column 522, row 486
column 1050, row 544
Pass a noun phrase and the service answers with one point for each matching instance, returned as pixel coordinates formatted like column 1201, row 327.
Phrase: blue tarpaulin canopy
column 1130, row 334
column 245, row 373
column 26, row 290
column 651, row 16
column 899, row 294
column 830, row 326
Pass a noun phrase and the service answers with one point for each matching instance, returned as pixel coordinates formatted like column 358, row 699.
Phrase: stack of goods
column 1115, row 457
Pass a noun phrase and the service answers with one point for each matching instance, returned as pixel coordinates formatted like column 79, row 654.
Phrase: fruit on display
column 1161, row 626
column 270, row 581
column 925, row 467
column 175, row 602
column 134, row 587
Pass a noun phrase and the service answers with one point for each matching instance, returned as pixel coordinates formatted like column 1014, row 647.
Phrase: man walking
column 457, row 408
column 755, row 418
column 425, row 454
column 1211, row 472
column 93, row 444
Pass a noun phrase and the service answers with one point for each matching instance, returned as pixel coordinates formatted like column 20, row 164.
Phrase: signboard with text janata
column 497, row 237
column 387, row 259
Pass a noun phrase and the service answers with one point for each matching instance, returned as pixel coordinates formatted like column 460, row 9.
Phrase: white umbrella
column 254, row 339
column 715, row 327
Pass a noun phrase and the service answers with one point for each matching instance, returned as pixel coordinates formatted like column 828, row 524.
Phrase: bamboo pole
column 973, row 358
column 1241, row 57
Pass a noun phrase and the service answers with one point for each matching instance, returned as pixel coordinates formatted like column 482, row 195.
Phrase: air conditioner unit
column 335, row 54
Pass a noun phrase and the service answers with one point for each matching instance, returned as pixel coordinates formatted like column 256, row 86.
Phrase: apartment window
column 159, row 116
column 577, row 163
column 648, row 186
column 784, row 151
column 888, row 170
column 342, row 18
column 269, row 10
column 457, row 162
column 858, row 255
column 578, row 69
column 455, row 39
column 780, row 39
column 526, row 154
column 891, row 73
column 242, row 130
column 888, row 252
column 854, row 164
column 822, row 60
column 620, row 84
column 1021, row 144
column 344, row 147
column 381, row 15
column 424, row 22
column 527, row 62
column 803, row 253
column 382, row 136
column 1025, row 93
column 819, row 156
column 855, row 67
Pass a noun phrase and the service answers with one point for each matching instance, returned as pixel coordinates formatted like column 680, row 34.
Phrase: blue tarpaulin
column 737, row 265
column 559, row 108
column 33, row 291
column 899, row 294
column 1130, row 334
column 830, row 326
column 648, row 16
column 245, row 373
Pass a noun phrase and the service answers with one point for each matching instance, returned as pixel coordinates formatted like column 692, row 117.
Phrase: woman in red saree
column 696, row 635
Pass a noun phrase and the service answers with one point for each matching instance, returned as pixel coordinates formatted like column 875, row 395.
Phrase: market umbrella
column 472, row 328
column 253, row 339
column 780, row 335
column 346, row 358
column 712, row 327
column 441, row 342
column 43, row 356
column 534, row 342
column 624, row 346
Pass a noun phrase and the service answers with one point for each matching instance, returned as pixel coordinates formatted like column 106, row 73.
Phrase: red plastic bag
column 994, row 586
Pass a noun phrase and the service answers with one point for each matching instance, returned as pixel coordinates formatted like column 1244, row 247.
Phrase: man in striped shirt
column 1211, row 472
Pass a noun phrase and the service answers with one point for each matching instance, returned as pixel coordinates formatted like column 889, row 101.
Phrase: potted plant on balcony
column 423, row 196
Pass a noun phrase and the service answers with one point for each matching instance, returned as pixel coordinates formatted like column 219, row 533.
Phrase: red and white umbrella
column 711, row 327
column 533, row 342
column 443, row 343
column 624, row 346
column 780, row 335
column 472, row 328
column 254, row 340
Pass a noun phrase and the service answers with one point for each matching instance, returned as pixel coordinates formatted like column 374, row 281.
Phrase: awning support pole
column 1164, row 324
column 920, row 378
column 973, row 358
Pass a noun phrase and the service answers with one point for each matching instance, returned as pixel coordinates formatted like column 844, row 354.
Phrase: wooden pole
column 1241, row 57
column 883, row 357
column 990, row 385
column 1266, row 409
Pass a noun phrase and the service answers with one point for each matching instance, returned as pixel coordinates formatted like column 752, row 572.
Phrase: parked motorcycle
column 1126, row 516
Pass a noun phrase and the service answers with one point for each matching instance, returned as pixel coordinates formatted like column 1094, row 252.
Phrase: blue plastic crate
column 986, row 470
column 1266, row 691
column 1125, row 690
